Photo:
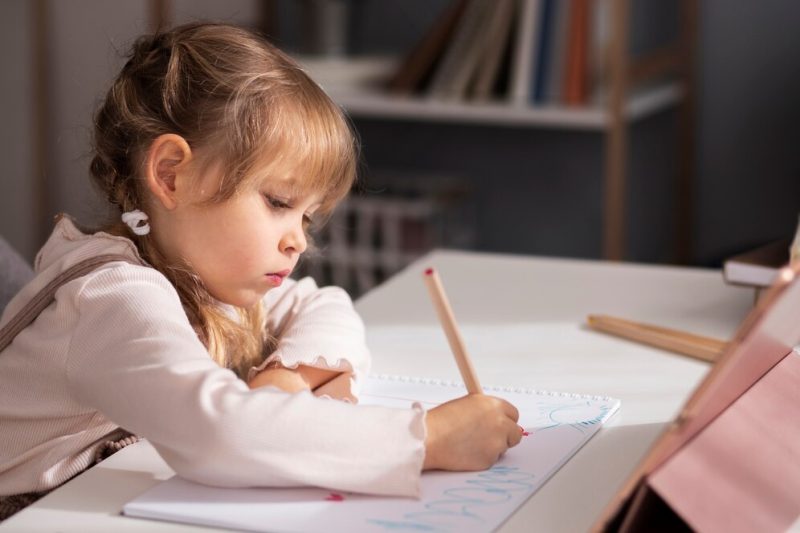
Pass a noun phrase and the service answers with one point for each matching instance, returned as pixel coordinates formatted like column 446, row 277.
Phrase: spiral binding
column 518, row 390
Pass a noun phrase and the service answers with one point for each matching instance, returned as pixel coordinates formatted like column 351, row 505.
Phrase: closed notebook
column 556, row 426
column 757, row 267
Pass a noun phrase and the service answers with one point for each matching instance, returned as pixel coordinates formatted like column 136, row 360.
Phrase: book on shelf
column 554, row 86
column 498, row 33
column 525, row 52
column 416, row 69
column 489, row 34
column 575, row 89
column 461, row 54
column 599, row 51
column 526, row 48
column 758, row 267
column 542, row 70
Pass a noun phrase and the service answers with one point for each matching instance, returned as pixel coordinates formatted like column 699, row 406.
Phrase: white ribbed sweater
column 115, row 349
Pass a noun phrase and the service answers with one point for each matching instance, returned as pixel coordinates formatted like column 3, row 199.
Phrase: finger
column 514, row 436
column 509, row 410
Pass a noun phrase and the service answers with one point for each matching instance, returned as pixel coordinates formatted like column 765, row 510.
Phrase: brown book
column 450, row 79
column 575, row 78
column 418, row 65
column 758, row 267
column 499, row 30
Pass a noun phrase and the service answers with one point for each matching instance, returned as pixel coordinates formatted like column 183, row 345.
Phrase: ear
column 166, row 168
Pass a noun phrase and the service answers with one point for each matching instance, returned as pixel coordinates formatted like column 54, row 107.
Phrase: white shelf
column 376, row 105
column 354, row 84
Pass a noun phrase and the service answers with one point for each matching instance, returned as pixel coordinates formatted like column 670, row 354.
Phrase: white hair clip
column 137, row 221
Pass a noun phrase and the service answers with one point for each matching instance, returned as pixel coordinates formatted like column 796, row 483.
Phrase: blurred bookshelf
column 631, row 88
column 362, row 96
column 546, row 64
column 492, row 74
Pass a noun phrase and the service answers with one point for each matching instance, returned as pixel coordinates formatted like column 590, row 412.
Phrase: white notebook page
column 557, row 425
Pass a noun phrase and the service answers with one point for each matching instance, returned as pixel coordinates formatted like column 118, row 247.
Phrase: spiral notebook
column 556, row 426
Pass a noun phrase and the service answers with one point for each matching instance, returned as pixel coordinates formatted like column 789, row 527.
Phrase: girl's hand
column 470, row 433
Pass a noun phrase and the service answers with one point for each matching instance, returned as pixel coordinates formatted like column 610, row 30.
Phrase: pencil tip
column 428, row 271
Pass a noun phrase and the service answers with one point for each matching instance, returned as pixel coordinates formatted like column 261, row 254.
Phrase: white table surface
column 537, row 308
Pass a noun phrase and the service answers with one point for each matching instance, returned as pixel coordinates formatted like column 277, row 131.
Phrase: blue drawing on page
column 462, row 504
column 573, row 415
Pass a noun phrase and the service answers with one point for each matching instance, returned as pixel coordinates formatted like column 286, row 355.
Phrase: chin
column 247, row 302
column 244, row 299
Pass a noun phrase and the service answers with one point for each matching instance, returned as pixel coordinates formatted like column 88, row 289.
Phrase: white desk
column 546, row 297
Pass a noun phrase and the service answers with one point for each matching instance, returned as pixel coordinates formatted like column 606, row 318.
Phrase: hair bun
column 147, row 49
column 149, row 43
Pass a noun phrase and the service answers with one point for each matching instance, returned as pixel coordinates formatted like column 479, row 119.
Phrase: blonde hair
column 241, row 102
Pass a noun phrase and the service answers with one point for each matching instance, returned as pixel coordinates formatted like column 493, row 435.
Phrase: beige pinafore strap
column 43, row 298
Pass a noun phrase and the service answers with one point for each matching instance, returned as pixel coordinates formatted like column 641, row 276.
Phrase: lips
column 276, row 278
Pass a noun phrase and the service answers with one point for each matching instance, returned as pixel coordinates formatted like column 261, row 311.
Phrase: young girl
column 218, row 153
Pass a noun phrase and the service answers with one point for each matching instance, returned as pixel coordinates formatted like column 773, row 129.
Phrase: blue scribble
column 496, row 486
column 559, row 416
column 399, row 526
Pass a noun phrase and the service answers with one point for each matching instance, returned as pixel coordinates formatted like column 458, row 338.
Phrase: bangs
column 299, row 136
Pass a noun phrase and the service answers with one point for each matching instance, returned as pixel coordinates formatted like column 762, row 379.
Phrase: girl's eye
column 276, row 203
column 279, row 205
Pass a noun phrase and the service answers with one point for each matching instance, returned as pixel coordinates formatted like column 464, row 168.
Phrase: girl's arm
column 320, row 337
column 330, row 383
column 135, row 358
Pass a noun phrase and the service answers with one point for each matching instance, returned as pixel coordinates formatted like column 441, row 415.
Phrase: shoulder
column 77, row 265
column 120, row 272
column 127, row 284
column 124, row 312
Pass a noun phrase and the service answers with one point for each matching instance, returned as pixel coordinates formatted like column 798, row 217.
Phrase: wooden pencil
column 697, row 346
column 448, row 321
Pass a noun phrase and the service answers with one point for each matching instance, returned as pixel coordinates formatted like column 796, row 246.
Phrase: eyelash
column 279, row 205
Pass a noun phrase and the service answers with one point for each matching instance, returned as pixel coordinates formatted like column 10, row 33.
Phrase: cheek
column 234, row 228
column 240, row 235
column 252, row 247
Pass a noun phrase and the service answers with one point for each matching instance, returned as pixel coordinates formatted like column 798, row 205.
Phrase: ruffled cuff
column 419, row 431
column 321, row 361
column 343, row 387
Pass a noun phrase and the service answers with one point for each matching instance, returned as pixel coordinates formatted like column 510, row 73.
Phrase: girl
column 219, row 153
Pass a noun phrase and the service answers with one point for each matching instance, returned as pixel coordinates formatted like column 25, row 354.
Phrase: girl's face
column 245, row 246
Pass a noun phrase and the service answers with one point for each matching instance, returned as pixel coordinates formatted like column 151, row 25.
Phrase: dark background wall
column 748, row 166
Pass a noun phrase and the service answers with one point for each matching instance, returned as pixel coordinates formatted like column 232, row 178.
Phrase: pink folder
column 731, row 460
column 749, row 457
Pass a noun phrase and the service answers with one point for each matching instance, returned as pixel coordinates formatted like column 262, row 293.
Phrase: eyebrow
column 290, row 188
column 291, row 191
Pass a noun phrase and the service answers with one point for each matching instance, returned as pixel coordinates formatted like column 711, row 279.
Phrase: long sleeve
column 135, row 358
column 316, row 327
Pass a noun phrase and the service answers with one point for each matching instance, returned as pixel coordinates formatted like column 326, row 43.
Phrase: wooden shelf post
column 614, row 214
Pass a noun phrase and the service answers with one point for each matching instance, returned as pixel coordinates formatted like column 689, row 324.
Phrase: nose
column 294, row 239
